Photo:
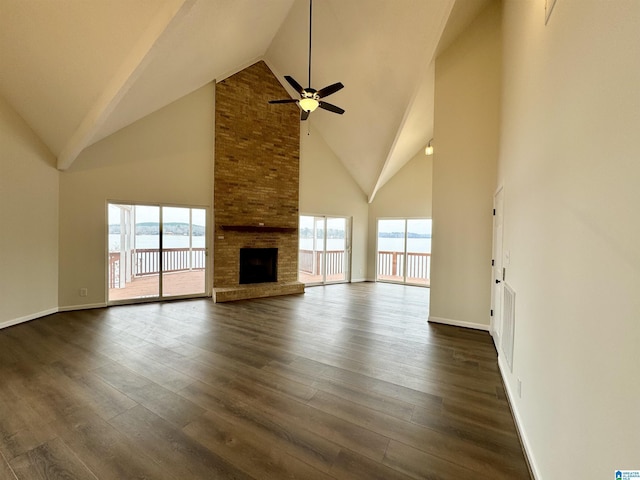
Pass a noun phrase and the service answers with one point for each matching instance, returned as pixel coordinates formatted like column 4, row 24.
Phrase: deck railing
column 391, row 265
column 311, row 262
column 146, row 261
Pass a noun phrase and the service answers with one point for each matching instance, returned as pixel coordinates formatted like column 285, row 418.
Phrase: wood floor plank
column 344, row 433
column 305, row 444
column 248, row 449
column 21, row 427
column 504, row 442
column 162, row 374
column 167, row 404
column 172, row 449
column 353, row 466
column 105, row 451
column 88, row 389
column 52, row 460
column 419, row 464
column 6, row 472
column 345, row 382
column 480, row 458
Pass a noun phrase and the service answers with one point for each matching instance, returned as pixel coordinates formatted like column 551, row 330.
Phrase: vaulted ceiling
column 79, row 70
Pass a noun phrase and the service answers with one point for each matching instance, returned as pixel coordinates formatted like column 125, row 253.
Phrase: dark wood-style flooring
column 344, row 382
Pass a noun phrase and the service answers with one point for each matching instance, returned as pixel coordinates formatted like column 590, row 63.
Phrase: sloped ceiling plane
column 78, row 71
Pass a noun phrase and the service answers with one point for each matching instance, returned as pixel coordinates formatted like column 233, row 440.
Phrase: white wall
column 406, row 195
column 28, row 222
column 466, row 127
column 570, row 167
column 166, row 157
column 327, row 188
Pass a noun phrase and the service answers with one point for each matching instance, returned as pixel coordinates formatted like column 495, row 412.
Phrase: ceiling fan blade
column 304, row 115
column 294, row 84
column 331, row 108
column 287, row 100
column 326, row 91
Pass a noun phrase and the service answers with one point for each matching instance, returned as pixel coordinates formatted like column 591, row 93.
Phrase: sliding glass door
column 324, row 253
column 404, row 250
column 183, row 251
column 155, row 252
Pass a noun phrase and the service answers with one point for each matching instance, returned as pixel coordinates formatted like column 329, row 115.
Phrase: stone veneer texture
column 256, row 176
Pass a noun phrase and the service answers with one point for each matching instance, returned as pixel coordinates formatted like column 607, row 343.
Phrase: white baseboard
column 459, row 323
column 358, row 280
column 87, row 306
column 533, row 470
column 27, row 318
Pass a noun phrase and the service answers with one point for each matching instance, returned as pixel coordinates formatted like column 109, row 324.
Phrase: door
column 155, row 252
column 497, row 270
column 324, row 250
column 183, row 251
column 403, row 252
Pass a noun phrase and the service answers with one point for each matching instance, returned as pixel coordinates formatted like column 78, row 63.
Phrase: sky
column 146, row 213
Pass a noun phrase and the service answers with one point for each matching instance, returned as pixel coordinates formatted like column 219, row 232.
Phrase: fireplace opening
column 258, row 265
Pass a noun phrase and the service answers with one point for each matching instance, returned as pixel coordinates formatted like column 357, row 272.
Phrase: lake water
column 153, row 241
column 419, row 245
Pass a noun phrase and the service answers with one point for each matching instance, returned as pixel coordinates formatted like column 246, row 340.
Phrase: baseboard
column 459, row 323
column 28, row 318
column 533, row 470
column 87, row 306
column 358, row 280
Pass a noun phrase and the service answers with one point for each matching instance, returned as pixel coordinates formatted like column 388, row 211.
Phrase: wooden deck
column 411, row 281
column 308, row 278
column 174, row 284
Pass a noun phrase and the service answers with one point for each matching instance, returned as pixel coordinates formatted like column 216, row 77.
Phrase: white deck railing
column 391, row 266
column 146, row 261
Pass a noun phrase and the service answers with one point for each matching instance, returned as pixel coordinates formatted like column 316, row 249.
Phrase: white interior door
column 497, row 267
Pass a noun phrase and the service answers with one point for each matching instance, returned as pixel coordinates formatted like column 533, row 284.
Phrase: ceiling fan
column 309, row 97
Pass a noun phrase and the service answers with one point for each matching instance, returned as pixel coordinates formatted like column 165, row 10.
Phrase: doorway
column 403, row 252
column 155, row 252
column 497, row 267
column 324, row 250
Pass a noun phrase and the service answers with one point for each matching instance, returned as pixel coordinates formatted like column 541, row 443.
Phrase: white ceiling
column 79, row 70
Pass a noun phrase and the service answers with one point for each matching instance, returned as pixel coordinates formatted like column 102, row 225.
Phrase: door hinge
column 494, row 212
column 492, row 312
column 493, row 262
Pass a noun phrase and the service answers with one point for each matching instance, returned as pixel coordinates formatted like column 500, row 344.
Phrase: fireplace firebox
column 258, row 265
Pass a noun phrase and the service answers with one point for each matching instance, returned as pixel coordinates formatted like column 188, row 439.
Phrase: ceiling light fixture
column 429, row 149
column 308, row 104
column 310, row 97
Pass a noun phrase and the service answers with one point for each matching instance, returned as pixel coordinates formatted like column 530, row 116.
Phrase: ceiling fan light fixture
column 310, row 97
column 308, row 104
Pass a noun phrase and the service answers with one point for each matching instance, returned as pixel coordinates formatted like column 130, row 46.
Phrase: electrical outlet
column 519, row 388
column 84, row 292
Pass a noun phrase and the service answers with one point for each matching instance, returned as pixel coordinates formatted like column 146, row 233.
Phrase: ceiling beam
column 141, row 54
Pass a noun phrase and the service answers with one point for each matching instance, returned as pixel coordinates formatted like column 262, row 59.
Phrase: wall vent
column 508, row 323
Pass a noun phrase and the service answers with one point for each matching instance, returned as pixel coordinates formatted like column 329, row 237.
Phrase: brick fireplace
column 256, row 181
